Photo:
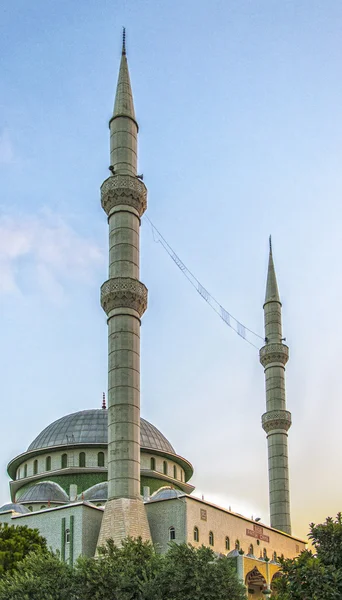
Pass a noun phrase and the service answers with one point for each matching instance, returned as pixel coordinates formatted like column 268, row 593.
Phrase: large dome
column 90, row 427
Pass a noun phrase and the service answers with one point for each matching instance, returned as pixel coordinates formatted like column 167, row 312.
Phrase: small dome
column 90, row 427
column 45, row 491
column 18, row 508
column 165, row 493
column 96, row 493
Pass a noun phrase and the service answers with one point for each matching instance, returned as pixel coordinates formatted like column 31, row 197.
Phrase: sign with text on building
column 203, row 514
column 258, row 533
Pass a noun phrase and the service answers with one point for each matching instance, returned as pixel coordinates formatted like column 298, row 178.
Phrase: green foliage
column 40, row 576
column 117, row 573
column 16, row 543
column 315, row 576
column 327, row 540
column 131, row 572
column 306, row 578
column 187, row 573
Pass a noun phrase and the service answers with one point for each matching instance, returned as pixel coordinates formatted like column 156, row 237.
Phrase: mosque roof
column 165, row 493
column 45, row 491
column 90, row 427
column 18, row 508
column 95, row 493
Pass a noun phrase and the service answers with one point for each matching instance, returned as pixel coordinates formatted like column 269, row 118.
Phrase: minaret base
column 122, row 518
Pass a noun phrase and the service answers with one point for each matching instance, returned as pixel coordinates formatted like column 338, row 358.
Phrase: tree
column 327, row 540
column 39, row 576
column 16, row 543
column 315, row 576
column 118, row 573
column 188, row 573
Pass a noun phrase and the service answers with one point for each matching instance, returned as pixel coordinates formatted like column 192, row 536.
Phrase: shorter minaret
column 276, row 421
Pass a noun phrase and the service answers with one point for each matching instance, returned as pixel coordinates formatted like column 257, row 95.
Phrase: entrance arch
column 256, row 584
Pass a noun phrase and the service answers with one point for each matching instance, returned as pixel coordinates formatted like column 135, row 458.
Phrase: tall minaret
column 276, row 421
column 124, row 299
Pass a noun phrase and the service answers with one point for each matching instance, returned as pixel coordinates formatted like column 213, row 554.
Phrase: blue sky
column 239, row 107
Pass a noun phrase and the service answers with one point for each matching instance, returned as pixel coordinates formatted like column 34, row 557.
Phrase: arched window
column 227, row 543
column 64, row 461
column 25, row 470
column 211, row 538
column 35, row 467
column 251, row 549
column 237, row 545
column 174, row 472
column 42, row 507
column 100, row 459
column 264, row 553
column 196, row 534
column 82, row 459
column 48, row 464
column 165, row 467
column 30, row 508
column 172, row 533
column 153, row 463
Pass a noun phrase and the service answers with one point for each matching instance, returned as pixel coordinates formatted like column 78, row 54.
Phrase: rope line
column 243, row 331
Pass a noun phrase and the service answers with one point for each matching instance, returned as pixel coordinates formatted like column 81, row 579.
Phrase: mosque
column 107, row 472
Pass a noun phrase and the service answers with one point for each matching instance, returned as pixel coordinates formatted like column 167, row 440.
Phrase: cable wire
column 244, row 332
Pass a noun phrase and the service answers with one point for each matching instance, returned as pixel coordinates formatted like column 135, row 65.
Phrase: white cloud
column 6, row 149
column 49, row 249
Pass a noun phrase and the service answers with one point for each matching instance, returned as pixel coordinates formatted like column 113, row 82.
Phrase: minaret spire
column 276, row 421
column 272, row 293
column 124, row 300
column 124, row 40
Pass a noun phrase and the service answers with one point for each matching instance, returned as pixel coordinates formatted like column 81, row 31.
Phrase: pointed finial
column 272, row 293
column 104, row 401
column 124, row 40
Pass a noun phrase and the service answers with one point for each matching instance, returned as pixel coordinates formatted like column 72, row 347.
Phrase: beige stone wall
column 224, row 523
column 186, row 513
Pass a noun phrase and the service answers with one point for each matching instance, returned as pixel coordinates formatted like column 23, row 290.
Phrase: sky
column 240, row 129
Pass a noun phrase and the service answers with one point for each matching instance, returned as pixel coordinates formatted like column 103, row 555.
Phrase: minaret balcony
column 124, row 292
column 125, row 190
column 276, row 419
column 273, row 353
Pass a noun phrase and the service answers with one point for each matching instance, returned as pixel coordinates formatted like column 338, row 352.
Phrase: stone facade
column 70, row 530
column 124, row 517
column 185, row 513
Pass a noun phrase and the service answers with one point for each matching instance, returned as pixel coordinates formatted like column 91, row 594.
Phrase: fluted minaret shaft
column 276, row 421
column 124, row 299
